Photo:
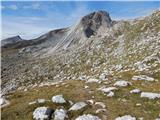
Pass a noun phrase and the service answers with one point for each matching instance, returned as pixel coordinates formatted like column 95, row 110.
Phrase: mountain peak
column 93, row 21
column 11, row 40
column 97, row 17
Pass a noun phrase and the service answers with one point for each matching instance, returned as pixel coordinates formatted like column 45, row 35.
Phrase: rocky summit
column 98, row 69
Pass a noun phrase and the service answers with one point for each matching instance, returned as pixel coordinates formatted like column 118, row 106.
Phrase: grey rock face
column 93, row 21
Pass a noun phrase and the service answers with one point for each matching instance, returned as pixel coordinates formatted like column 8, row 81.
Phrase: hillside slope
column 98, row 49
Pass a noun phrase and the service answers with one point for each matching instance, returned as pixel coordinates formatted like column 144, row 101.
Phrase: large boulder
column 150, row 95
column 126, row 117
column 88, row 117
column 60, row 114
column 78, row 106
column 58, row 99
column 122, row 83
column 108, row 89
column 42, row 113
column 143, row 77
column 135, row 91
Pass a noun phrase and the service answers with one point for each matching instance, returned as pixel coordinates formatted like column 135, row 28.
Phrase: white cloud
column 31, row 27
column 13, row 7
column 36, row 6
column 26, row 7
column 2, row 7
column 25, row 27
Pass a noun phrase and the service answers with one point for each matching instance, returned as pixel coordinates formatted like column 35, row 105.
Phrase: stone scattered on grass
column 140, row 118
column 110, row 94
column 122, row 83
column 100, row 110
column 101, row 104
column 150, row 95
column 107, row 90
column 86, row 86
column 2, row 101
column 143, row 77
column 70, row 102
column 91, row 101
column 103, row 76
column 58, row 99
column 42, row 113
column 60, row 114
column 33, row 102
column 135, row 91
column 126, row 117
column 41, row 101
column 92, row 80
column 138, row 104
column 78, row 106
column 88, row 117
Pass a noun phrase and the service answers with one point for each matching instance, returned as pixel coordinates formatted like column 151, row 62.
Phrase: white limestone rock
column 150, row 95
column 110, row 94
column 86, row 86
column 143, row 77
column 103, row 76
column 126, row 117
column 91, row 101
column 101, row 104
column 92, row 80
column 122, row 83
column 2, row 101
column 70, row 102
column 33, row 102
column 135, row 91
column 108, row 89
column 84, row 77
column 78, row 106
column 88, row 117
column 42, row 113
column 60, row 114
column 41, row 101
column 100, row 110
column 58, row 99
column 118, row 67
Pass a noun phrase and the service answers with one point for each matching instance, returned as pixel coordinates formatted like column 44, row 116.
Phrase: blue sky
column 31, row 19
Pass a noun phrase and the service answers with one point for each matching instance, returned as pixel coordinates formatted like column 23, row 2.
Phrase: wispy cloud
column 26, row 28
column 2, row 7
column 13, row 7
column 30, row 27
column 31, row 19
column 34, row 6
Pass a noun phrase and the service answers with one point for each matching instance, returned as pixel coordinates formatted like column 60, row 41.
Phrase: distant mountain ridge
column 91, row 24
